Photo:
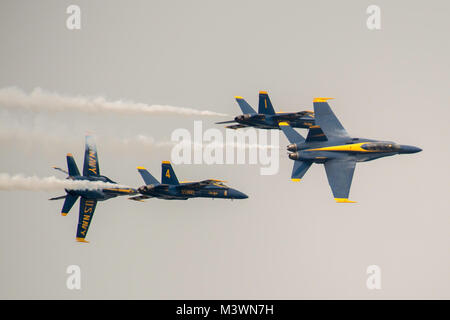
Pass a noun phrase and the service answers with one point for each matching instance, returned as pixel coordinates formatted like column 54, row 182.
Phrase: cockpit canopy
column 220, row 184
column 381, row 146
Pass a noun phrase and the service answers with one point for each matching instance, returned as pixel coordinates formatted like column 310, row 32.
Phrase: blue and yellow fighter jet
column 267, row 118
column 88, row 198
column 171, row 189
column 328, row 143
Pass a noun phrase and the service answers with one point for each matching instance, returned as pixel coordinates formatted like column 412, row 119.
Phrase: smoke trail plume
column 40, row 100
column 20, row 182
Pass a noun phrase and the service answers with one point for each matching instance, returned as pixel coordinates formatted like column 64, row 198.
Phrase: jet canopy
column 381, row 146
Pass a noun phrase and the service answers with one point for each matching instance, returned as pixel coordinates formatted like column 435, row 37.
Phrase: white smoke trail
column 40, row 100
column 21, row 182
column 40, row 138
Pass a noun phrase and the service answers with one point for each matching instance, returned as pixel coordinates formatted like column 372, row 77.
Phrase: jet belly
column 315, row 156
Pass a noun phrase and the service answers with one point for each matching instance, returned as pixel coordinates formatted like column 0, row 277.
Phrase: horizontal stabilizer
column 68, row 204
column 237, row 126
column 299, row 169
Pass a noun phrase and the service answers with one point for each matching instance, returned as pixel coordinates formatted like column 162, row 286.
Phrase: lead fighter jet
column 329, row 144
column 171, row 189
column 267, row 118
column 88, row 198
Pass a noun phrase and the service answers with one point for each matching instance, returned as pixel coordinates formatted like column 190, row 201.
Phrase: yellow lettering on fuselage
column 355, row 147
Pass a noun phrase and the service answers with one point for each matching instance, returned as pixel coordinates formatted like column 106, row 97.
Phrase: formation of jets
column 327, row 143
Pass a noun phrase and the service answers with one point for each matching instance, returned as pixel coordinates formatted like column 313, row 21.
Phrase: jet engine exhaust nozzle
column 294, row 156
column 292, row 147
column 242, row 117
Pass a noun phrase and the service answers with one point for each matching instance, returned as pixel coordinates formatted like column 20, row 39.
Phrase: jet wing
column 120, row 191
column 223, row 122
column 340, row 175
column 326, row 119
column 90, row 167
column 237, row 126
column 140, row 198
column 87, row 208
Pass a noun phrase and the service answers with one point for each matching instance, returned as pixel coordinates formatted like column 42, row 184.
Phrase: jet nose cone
column 409, row 149
column 235, row 194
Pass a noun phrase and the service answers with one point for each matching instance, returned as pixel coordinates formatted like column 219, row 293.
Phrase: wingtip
column 343, row 200
column 283, row 124
column 238, row 98
column 64, row 214
column 263, row 92
column 141, row 168
column 166, row 162
column 296, row 179
column 70, row 155
column 82, row 240
column 321, row 99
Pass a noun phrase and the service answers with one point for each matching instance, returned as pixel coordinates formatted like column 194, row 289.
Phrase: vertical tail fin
column 72, row 166
column 245, row 107
column 167, row 174
column 265, row 106
column 147, row 177
column 290, row 133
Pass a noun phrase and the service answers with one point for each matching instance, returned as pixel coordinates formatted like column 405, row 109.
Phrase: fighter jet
column 267, row 118
column 329, row 144
column 171, row 189
column 88, row 198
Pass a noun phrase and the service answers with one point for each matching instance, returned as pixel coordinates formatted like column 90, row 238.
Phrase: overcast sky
column 288, row 240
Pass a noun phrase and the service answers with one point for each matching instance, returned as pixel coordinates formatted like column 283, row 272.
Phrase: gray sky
column 288, row 240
